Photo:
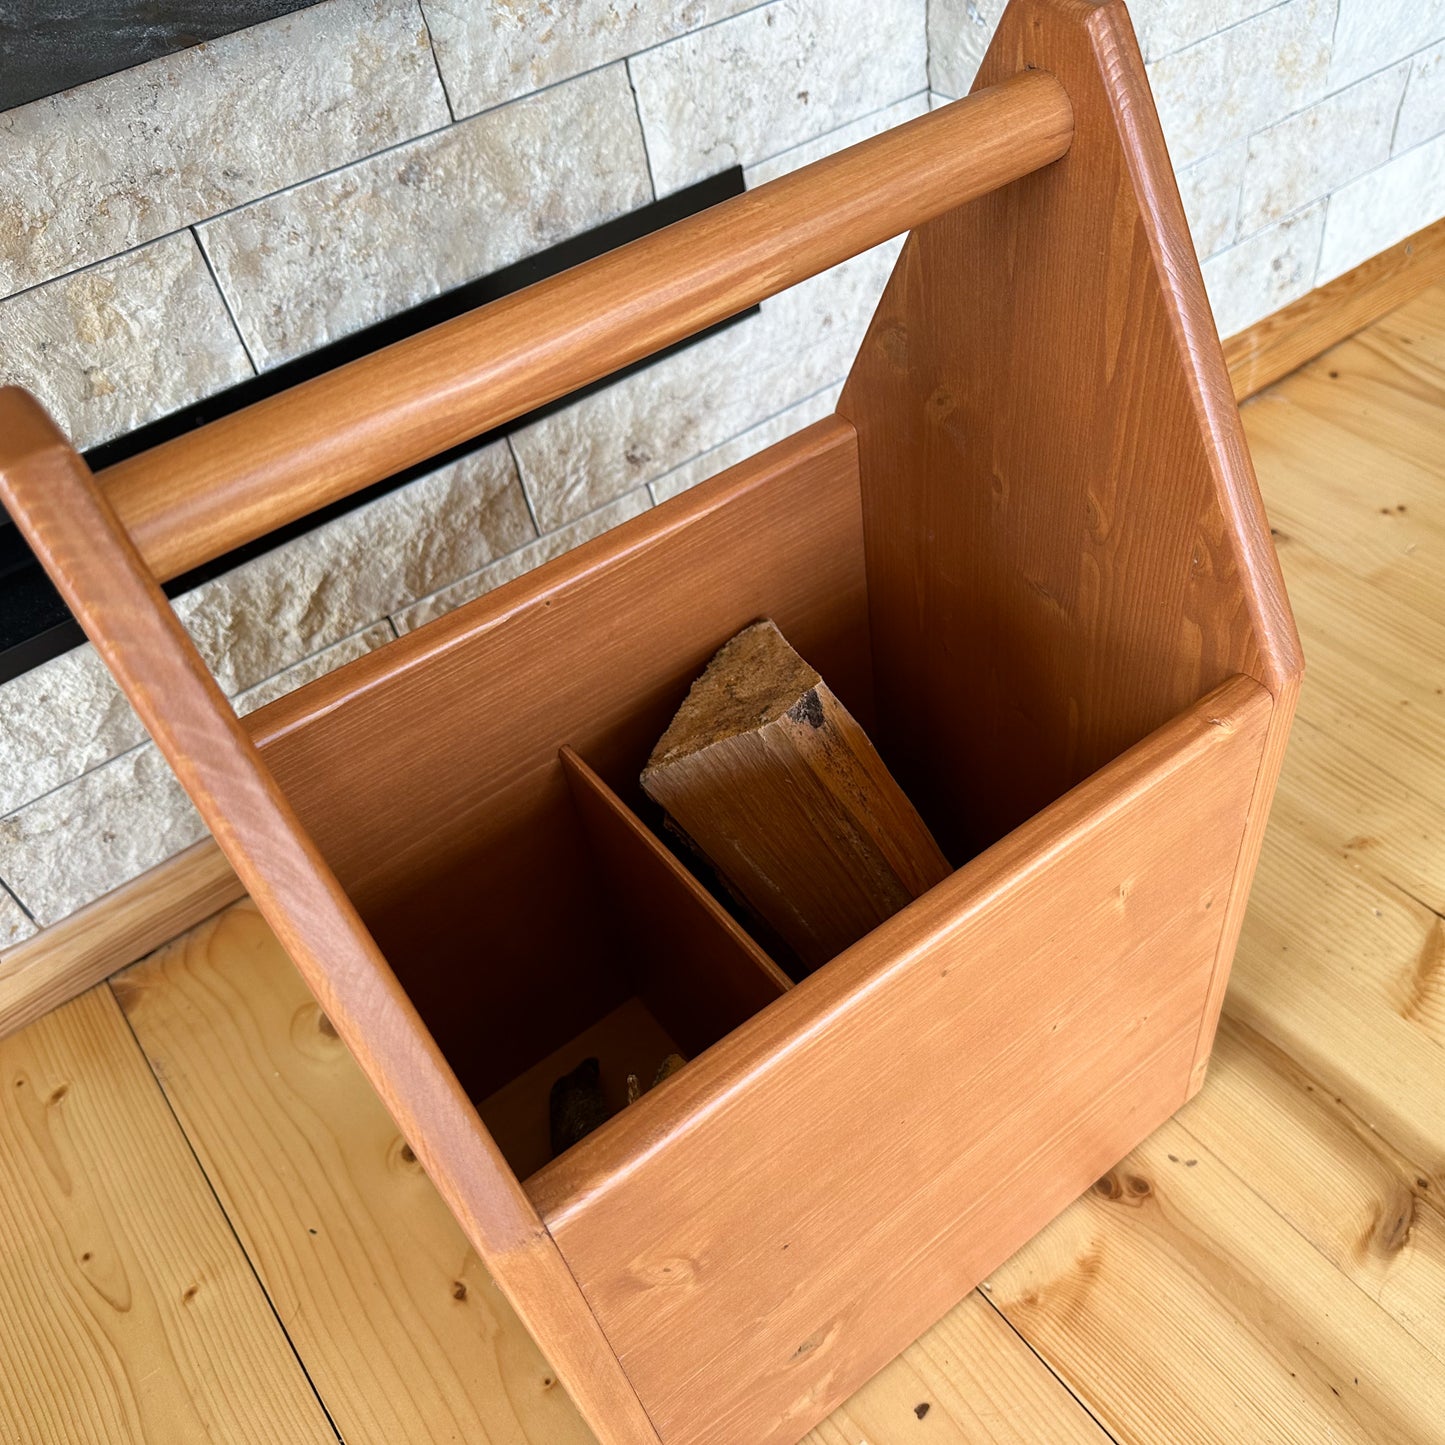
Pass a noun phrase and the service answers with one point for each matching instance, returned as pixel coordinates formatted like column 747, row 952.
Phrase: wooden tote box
column 1027, row 552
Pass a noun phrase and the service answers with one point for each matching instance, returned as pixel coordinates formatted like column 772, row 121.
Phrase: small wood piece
column 777, row 786
column 577, row 1105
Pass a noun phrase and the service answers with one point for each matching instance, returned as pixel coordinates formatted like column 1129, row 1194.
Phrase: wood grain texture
column 969, row 1380
column 1295, row 334
column 1373, row 1212
column 65, row 959
column 128, row 1312
column 293, row 1139
column 432, row 782
column 51, row 496
column 698, row 970
column 403, row 1333
column 746, row 1313
column 1189, row 1313
column 1110, row 560
column 241, row 476
column 1256, row 1336
column 771, row 779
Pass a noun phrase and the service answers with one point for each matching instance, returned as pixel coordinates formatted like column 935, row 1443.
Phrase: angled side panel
column 1065, row 542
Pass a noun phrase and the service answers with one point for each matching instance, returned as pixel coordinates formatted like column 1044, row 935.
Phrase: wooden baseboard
column 65, row 959
column 1332, row 313
column 111, row 933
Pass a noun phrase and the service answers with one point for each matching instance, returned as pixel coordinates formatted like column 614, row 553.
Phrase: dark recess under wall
column 48, row 46
column 35, row 624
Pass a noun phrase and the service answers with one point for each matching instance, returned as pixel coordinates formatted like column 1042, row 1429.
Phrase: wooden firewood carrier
column 1027, row 552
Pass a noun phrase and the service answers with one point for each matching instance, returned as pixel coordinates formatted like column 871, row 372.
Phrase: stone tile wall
column 207, row 216
column 1306, row 134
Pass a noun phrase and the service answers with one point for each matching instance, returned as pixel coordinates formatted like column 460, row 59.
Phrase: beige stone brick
column 109, row 165
column 747, row 444
column 644, row 425
column 1209, row 190
column 274, row 613
column 64, row 850
column 327, row 258
column 1271, row 269
column 113, row 347
column 1372, row 34
column 742, row 90
column 1326, row 145
column 1422, row 112
column 505, row 569
column 490, row 52
column 1371, row 214
column 15, row 923
column 1232, row 84
column 959, row 32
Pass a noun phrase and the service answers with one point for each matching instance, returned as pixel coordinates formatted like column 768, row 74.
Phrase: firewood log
column 773, row 782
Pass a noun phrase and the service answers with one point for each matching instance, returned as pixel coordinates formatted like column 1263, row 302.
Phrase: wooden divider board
column 887, row 1202
column 294, row 1139
column 128, row 1313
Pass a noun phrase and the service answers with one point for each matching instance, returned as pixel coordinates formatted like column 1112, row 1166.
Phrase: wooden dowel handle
column 198, row 496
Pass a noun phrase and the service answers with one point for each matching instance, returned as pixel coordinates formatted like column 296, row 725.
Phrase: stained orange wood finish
column 49, row 493
column 242, row 476
column 430, row 780
column 700, row 973
column 1109, row 557
column 837, row 1173
column 1022, row 554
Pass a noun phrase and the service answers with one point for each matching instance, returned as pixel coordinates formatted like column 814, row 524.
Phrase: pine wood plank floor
column 210, row 1230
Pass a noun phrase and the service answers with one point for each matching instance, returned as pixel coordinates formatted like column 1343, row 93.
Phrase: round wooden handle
column 200, row 495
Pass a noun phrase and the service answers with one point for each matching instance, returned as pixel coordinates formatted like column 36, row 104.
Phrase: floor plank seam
column 225, row 1215
column 986, row 1294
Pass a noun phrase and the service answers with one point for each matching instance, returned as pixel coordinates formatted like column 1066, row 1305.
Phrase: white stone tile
column 1301, row 159
column 505, row 569
column 322, row 260
column 490, row 52
column 15, row 923
column 1236, row 82
column 644, row 425
column 1422, row 113
column 109, row 165
column 1164, row 26
column 771, row 78
column 66, row 849
column 1210, row 192
column 748, row 444
column 1371, row 34
column 317, row 665
column 115, row 346
column 959, row 32
column 57, row 721
column 289, row 603
column 1373, row 213
column 836, row 140
column 275, row 614
column 1271, row 269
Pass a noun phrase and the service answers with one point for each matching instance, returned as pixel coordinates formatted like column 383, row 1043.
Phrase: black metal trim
column 35, row 624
